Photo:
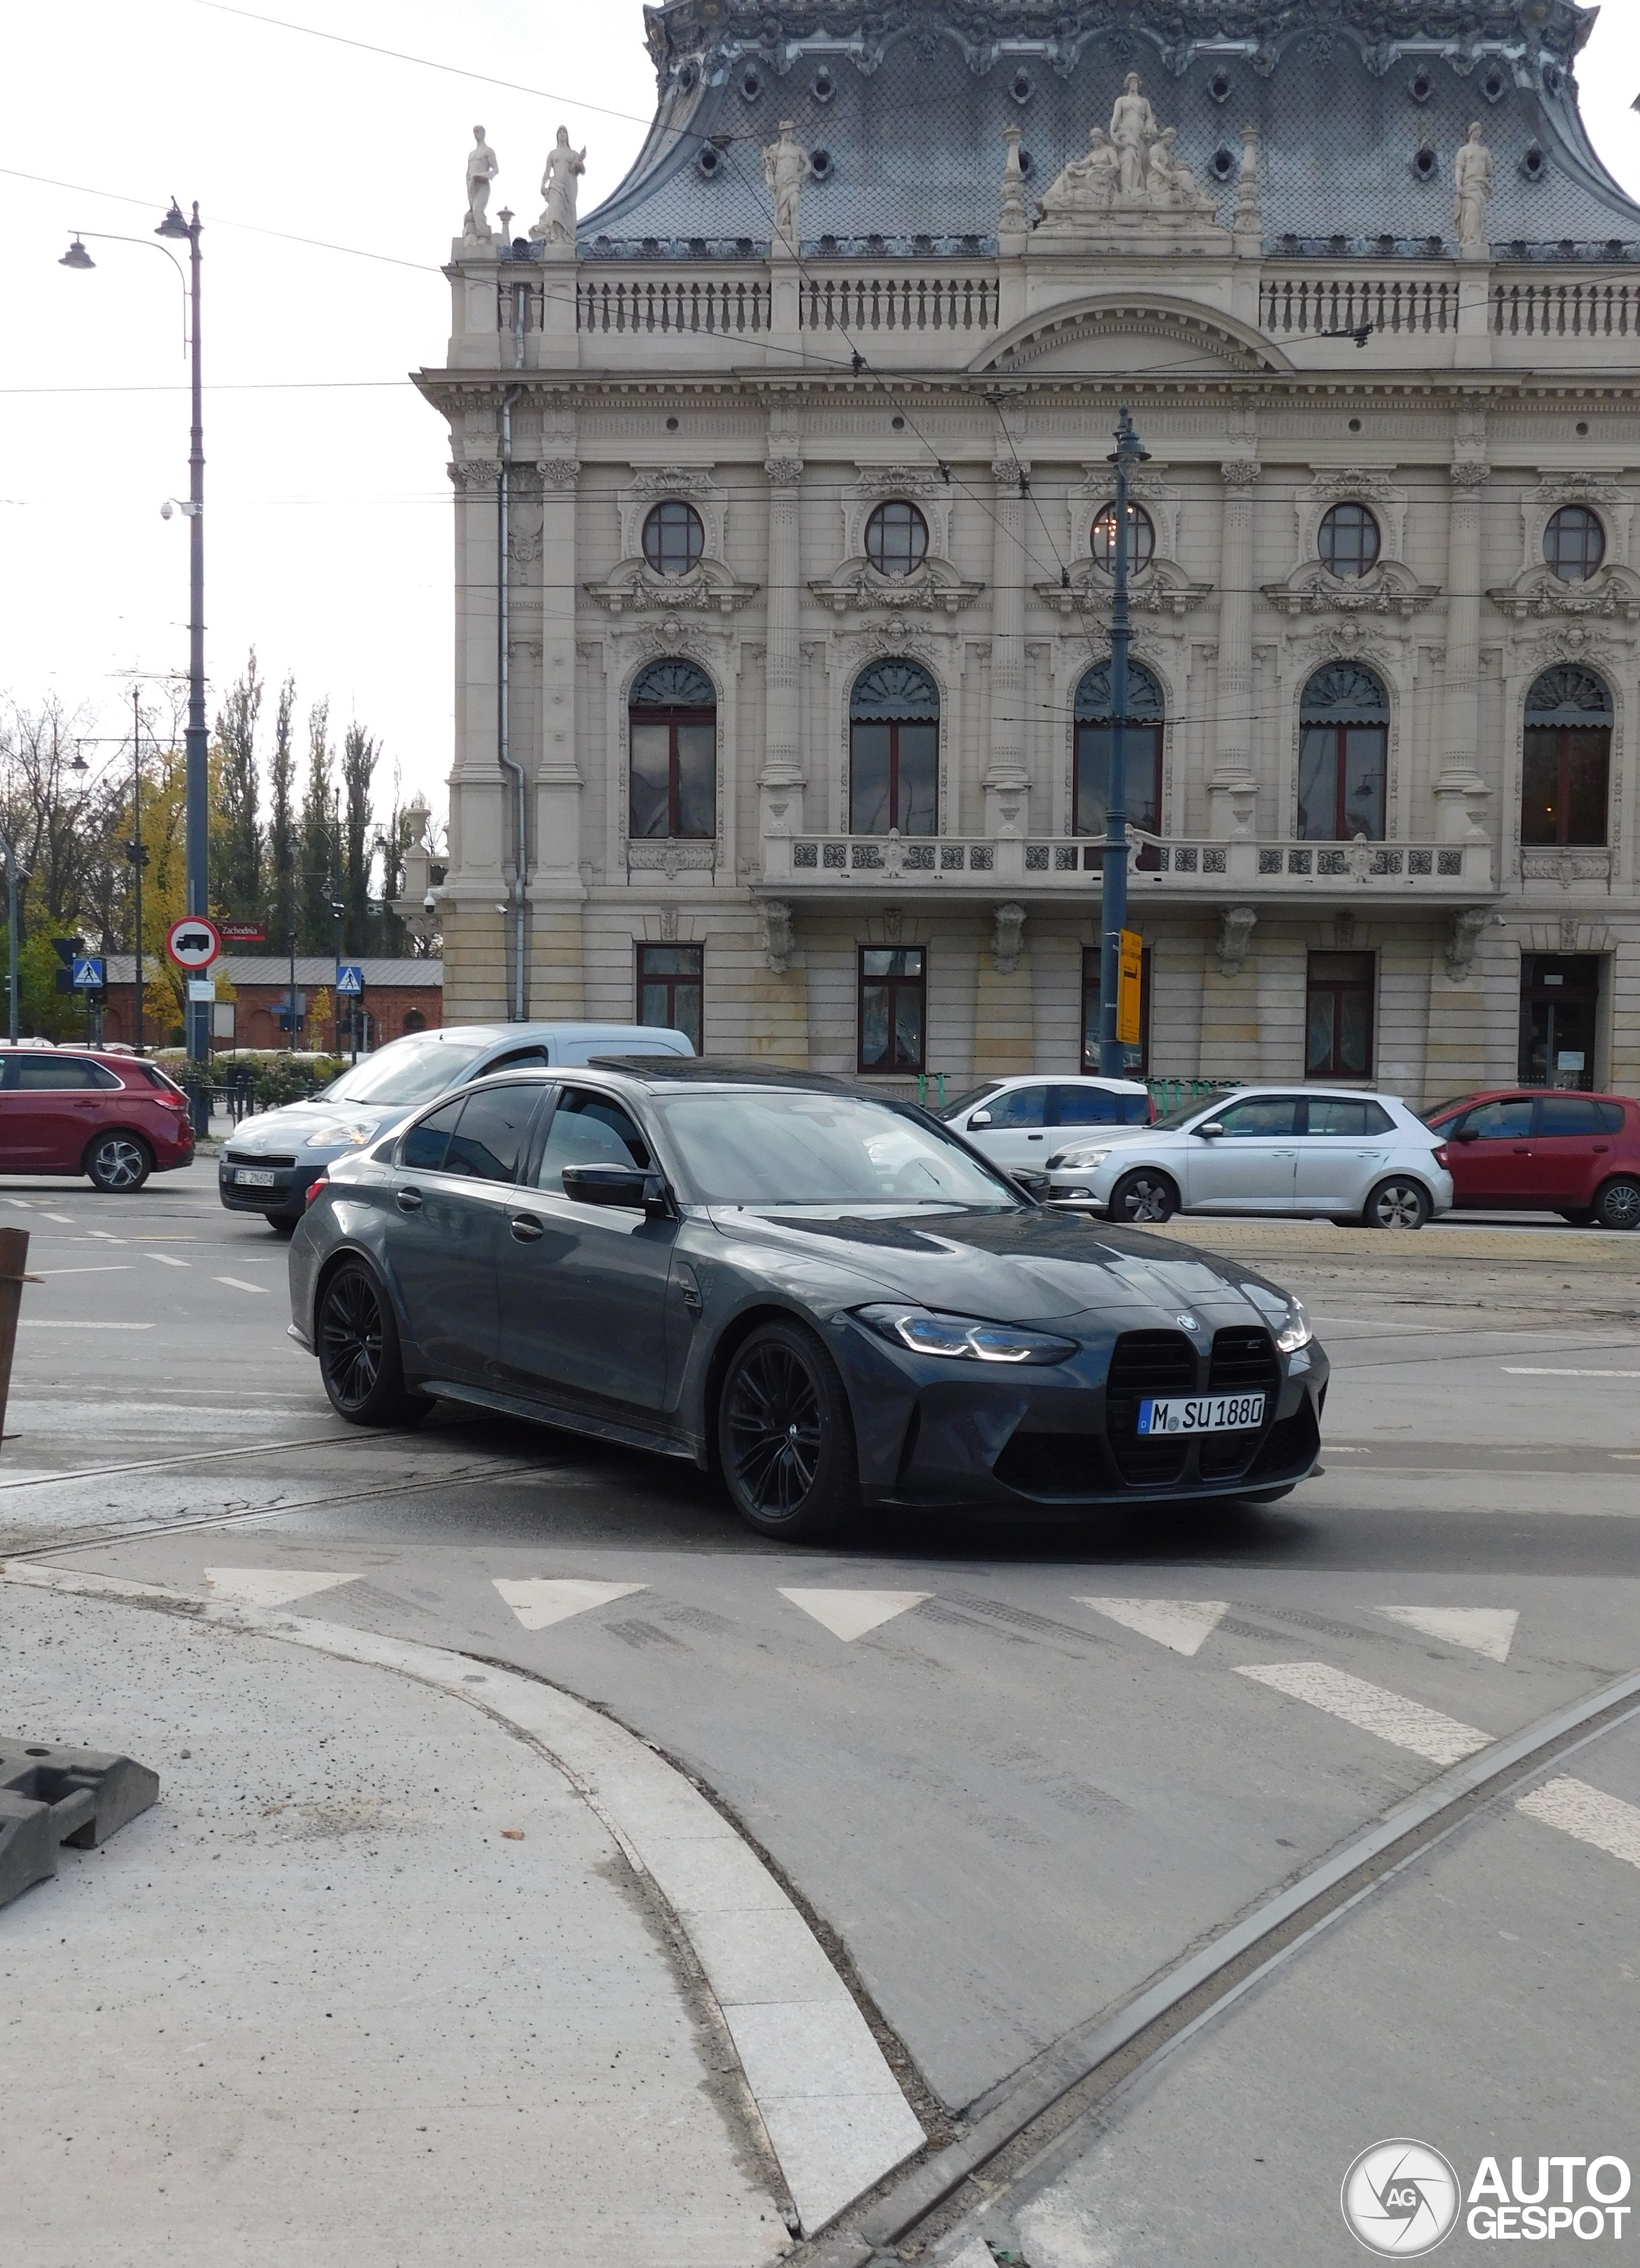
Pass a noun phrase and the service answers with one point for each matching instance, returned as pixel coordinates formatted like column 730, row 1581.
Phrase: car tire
column 1397, row 1203
column 1145, row 1195
column 785, row 1437
column 1618, row 1204
column 282, row 1224
column 358, row 1339
column 117, row 1163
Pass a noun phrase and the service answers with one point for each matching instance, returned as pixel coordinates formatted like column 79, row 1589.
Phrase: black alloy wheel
column 119, row 1162
column 785, row 1438
column 1144, row 1195
column 1399, row 1203
column 1618, row 1204
column 358, row 1351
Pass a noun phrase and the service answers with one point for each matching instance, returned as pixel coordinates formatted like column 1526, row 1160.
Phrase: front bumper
column 285, row 1193
column 1057, row 1439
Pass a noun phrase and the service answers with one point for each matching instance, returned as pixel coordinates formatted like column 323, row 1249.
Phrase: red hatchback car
column 1545, row 1150
column 115, row 1118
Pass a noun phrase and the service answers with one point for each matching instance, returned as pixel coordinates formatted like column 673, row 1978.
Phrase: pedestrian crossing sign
column 350, row 977
column 87, row 974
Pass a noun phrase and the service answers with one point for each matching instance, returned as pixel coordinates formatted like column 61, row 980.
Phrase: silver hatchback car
column 1339, row 1152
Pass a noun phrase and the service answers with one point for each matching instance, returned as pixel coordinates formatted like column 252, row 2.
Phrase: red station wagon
column 1543, row 1150
column 115, row 1118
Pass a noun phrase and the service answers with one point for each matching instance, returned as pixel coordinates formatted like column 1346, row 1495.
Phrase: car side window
column 488, row 1141
column 1019, row 1106
column 520, row 1059
column 422, row 1150
column 1088, row 1106
column 1567, row 1113
column 1501, row 1122
column 588, row 1129
column 1611, row 1117
column 36, row 1074
column 1341, row 1115
column 1263, row 1117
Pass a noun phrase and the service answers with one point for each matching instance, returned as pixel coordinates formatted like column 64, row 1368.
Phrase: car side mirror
column 630, row 1186
column 1466, row 1134
column 1211, row 1131
column 980, row 1118
column 1037, row 1187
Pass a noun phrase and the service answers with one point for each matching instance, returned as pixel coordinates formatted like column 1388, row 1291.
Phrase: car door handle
column 1034, row 1138
column 525, row 1227
column 409, row 1200
column 1601, row 1149
column 1521, row 1151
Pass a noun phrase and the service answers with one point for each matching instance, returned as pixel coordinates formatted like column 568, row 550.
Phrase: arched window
column 1141, row 539
column 415, row 1020
column 1343, row 754
column 1568, row 758
column 1142, row 749
column 894, row 751
column 672, row 713
column 896, row 538
column 1349, row 539
column 1574, row 543
column 673, row 537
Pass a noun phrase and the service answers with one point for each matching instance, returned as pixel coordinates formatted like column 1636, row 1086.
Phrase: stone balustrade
column 1288, row 870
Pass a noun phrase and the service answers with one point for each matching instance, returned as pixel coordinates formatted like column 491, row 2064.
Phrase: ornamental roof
column 902, row 108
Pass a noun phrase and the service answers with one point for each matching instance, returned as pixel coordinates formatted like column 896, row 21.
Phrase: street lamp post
column 1113, row 909
column 10, row 857
column 178, row 229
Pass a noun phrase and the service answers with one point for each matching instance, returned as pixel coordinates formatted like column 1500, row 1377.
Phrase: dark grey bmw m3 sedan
column 820, row 1294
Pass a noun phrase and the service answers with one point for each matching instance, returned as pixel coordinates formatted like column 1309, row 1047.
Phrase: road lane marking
column 66, row 1220
column 22, row 1203
column 271, row 1586
column 1589, row 1814
column 106, row 1235
column 104, row 1268
column 40, row 1323
column 1390, row 1716
column 1538, row 1370
column 238, row 1284
column 166, row 1259
column 1489, row 1630
column 540, row 1600
column 1185, row 1624
column 849, row 1615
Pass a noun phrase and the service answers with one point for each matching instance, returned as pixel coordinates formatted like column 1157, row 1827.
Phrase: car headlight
column 964, row 1337
column 1078, row 1158
column 1296, row 1331
column 340, row 1134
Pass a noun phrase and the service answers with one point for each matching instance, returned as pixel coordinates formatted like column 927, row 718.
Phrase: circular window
column 823, row 85
column 819, row 163
column 672, row 538
column 1574, row 542
column 750, row 86
column 1425, row 163
column 896, row 538
column 1141, row 539
column 1219, row 86
column 1349, row 539
column 1021, row 88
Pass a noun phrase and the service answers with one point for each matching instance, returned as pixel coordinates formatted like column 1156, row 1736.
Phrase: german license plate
column 1206, row 1413
column 254, row 1180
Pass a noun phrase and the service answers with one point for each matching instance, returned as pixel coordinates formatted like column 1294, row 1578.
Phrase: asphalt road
column 1016, row 1774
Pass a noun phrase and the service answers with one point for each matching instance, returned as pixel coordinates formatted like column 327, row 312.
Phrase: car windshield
column 968, row 1096
column 408, row 1072
column 1441, row 1108
column 758, row 1147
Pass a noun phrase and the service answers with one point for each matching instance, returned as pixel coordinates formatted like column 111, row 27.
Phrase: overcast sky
column 328, row 511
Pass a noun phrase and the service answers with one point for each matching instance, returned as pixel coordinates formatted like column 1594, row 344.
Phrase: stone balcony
column 805, row 866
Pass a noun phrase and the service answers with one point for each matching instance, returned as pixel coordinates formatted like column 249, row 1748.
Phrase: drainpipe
column 504, row 735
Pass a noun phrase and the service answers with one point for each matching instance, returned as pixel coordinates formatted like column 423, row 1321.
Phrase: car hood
column 1023, row 1267
column 278, row 1133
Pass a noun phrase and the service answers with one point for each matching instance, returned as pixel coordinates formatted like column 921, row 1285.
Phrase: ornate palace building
column 784, row 537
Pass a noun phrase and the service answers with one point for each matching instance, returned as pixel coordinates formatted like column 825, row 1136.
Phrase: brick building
column 399, row 996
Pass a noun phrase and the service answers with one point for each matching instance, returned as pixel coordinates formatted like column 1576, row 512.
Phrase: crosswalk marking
column 1589, row 1814
column 271, row 1586
column 1489, row 1630
column 1540, row 1370
column 238, row 1284
column 849, row 1615
column 166, row 1259
column 1185, row 1624
column 1390, row 1716
column 540, row 1600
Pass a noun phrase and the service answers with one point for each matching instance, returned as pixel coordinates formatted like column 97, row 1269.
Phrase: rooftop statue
column 1472, row 185
column 1131, row 178
column 563, row 169
column 483, row 166
column 786, row 168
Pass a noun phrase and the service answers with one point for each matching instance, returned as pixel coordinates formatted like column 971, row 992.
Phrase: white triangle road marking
column 540, row 1601
column 1185, row 1624
column 271, row 1586
column 849, row 1615
column 1489, row 1630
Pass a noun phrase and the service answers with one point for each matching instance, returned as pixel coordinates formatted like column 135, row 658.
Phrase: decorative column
column 475, row 934
column 1247, row 227
column 1008, row 778
column 556, row 888
column 1461, row 793
column 1232, row 787
column 780, row 781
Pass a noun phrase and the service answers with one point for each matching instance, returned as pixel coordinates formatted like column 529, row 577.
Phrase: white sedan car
column 1018, row 1122
column 1333, row 1151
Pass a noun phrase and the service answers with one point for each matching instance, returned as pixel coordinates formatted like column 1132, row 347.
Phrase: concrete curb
column 835, row 2116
